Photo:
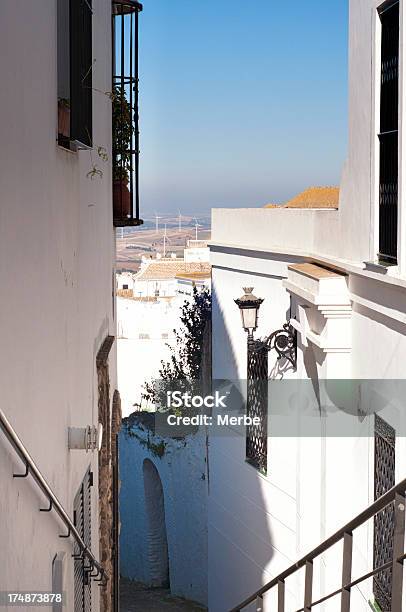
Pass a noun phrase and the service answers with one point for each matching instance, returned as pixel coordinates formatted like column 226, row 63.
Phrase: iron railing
column 126, row 190
column 395, row 496
column 257, row 405
column 94, row 569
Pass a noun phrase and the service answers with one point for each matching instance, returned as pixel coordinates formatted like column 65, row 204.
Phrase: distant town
column 162, row 234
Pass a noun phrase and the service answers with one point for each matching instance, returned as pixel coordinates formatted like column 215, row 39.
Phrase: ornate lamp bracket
column 284, row 342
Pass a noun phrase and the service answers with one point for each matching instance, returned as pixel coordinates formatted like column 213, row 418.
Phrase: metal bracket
column 27, row 471
column 81, row 555
column 103, row 581
column 96, row 574
column 89, row 569
column 284, row 341
column 66, row 536
column 47, row 509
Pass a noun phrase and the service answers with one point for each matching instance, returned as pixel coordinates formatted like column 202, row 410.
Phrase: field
column 134, row 243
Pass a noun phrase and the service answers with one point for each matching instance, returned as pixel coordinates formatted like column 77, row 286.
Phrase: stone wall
column 111, row 422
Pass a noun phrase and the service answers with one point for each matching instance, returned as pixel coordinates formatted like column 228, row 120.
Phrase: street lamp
column 249, row 308
column 282, row 340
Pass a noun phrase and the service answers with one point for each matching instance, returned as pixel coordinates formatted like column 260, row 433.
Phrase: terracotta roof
column 313, row 197
column 313, row 271
column 194, row 275
column 162, row 269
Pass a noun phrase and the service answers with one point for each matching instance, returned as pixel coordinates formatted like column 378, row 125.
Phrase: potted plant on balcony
column 63, row 118
column 123, row 131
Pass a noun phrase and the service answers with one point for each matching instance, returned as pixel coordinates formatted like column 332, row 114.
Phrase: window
column 257, row 407
column 388, row 136
column 125, row 286
column 75, row 63
column 82, row 515
column 384, row 521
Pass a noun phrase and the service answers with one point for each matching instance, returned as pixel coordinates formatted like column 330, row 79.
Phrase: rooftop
column 313, row 197
column 165, row 269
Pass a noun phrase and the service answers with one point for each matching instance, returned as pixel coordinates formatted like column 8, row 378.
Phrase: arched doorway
column 157, row 538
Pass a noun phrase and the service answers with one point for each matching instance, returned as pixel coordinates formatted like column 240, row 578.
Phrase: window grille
column 384, row 521
column 257, row 406
column 75, row 64
column 82, row 514
column 388, row 136
column 126, row 196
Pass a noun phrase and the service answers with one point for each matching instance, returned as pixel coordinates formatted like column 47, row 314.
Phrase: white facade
column 145, row 329
column 197, row 250
column 57, row 252
column 125, row 281
column 181, row 531
column 351, row 324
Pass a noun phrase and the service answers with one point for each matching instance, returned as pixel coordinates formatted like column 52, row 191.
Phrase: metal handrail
column 54, row 503
column 396, row 493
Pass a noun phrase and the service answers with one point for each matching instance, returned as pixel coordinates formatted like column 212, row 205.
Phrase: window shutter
column 81, row 67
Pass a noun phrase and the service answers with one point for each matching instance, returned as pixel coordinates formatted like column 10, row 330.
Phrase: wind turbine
column 166, row 239
column 157, row 222
column 197, row 225
column 180, row 221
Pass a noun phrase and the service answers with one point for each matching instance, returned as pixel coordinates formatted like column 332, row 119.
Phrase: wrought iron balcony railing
column 396, row 497
column 125, row 120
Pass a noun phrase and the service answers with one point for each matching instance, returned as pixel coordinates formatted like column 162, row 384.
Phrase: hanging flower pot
column 63, row 118
column 121, row 196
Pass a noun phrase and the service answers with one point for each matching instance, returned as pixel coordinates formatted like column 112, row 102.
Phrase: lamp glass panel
column 249, row 317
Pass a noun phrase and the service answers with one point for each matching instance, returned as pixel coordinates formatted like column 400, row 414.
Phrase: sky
column 241, row 103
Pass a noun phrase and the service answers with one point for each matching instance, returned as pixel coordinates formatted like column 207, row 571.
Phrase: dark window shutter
column 388, row 137
column 81, row 67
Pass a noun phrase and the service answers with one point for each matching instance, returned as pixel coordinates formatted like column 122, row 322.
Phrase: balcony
column 125, row 121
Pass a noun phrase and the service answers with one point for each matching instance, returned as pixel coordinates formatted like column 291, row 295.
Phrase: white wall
column 149, row 288
column 252, row 518
column 259, row 525
column 183, row 473
column 145, row 329
column 196, row 254
column 57, row 239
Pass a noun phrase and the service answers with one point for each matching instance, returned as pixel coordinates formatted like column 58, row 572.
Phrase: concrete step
column 136, row 597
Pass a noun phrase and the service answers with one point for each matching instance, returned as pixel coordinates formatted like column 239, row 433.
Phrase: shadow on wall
column 240, row 538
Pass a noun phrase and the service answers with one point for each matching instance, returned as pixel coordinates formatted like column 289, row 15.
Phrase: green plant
column 95, row 171
column 185, row 362
column 123, row 131
column 65, row 102
column 156, row 448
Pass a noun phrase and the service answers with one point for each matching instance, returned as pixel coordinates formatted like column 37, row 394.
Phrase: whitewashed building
column 60, row 407
column 337, row 271
column 197, row 250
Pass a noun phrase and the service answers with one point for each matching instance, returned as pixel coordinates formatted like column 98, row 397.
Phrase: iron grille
column 388, row 137
column 384, row 522
column 126, row 196
column 82, row 514
column 257, row 405
column 75, row 63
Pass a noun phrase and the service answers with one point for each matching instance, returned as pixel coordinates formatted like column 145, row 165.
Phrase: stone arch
column 158, row 560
